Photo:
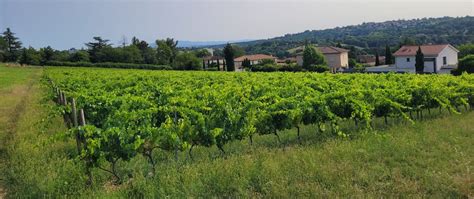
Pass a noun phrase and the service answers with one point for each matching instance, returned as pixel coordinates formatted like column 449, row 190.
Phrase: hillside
column 451, row 30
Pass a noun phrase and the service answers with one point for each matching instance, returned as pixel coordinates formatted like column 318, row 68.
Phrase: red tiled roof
column 253, row 57
column 331, row 50
column 430, row 50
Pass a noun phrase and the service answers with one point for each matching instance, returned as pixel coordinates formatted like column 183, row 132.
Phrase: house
column 337, row 58
column 254, row 59
column 436, row 57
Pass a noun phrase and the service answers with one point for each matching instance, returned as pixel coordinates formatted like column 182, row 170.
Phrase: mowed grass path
column 432, row 158
column 15, row 84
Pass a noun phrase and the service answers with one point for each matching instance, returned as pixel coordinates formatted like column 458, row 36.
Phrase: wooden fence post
column 75, row 124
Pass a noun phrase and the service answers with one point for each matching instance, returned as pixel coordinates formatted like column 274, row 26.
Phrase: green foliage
column 47, row 54
column 388, row 55
column 267, row 61
column 187, row 61
column 318, row 68
column 377, row 59
column 29, row 56
column 229, row 56
column 246, row 63
column 452, row 30
column 13, row 46
column 79, row 56
column 201, row 53
column 166, row 51
column 419, row 61
column 359, row 68
column 312, row 56
column 109, row 65
column 290, row 67
column 95, row 49
column 352, row 62
column 466, row 49
column 466, row 64
column 238, row 51
column 264, row 68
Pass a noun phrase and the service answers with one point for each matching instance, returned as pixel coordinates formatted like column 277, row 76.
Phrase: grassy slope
column 430, row 158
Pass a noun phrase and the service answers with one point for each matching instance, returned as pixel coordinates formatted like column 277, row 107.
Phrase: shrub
column 359, row 68
column 318, row 68
column 291, row 67
column 265, row 68
column 466, row 64
column 187, row 61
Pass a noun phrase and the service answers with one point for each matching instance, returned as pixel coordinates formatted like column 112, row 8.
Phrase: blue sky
column 70, row 23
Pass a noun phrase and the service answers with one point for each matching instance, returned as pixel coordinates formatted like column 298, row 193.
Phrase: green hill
column 453, row 30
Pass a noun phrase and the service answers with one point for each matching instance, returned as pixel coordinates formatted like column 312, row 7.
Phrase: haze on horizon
column 63, row 24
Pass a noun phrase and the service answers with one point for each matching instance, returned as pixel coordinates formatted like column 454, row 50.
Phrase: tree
column 201, row 53
column 46, row 55
column 187, row 61
column 407, row 41
column 13, row 46
column 229, row 57
column 419, row 61
column 163, row 53
column 166, row 51
column 377, row 60
column 388, row 55
column 465, row 50
column 312, row 56
column 79, row 56
column 466, row 64
column 94, row 48
column 29, row 56
column 238, row 51
column 173, row 46
column 246, row 63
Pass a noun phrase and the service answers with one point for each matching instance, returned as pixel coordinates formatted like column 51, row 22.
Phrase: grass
column 431, row 158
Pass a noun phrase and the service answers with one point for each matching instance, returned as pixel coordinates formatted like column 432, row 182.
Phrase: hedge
column 110, row 65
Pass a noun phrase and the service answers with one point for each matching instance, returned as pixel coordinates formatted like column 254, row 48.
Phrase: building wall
column 401, row 62
column 451, row 58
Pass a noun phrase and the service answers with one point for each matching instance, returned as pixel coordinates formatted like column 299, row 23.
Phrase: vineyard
column 115, row 116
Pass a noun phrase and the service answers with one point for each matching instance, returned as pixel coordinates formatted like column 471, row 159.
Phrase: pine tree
column 13, row 46
column 388, row 55
column 229, row 57
column 419, row 61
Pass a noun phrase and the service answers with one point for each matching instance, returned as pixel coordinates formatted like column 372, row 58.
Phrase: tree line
column 100, row 52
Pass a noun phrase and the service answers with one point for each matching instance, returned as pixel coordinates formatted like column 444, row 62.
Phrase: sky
column 63, row 24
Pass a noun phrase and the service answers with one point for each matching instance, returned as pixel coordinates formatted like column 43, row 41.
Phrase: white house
column 436, row 57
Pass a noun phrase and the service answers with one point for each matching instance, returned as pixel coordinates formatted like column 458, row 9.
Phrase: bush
column 318, row 68
column 187, row 61
column 292, row 67
column 265, row 68
column 466, row 64
column 359, row 68
column 465, row 50
column 110, row 65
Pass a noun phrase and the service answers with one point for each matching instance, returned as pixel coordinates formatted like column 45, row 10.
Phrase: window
column 408, row 59
column 445, row 61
